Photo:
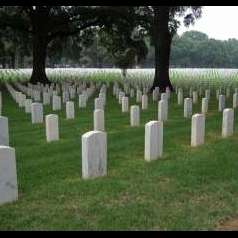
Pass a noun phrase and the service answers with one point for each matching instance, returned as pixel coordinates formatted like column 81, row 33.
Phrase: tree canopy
column 124, row 32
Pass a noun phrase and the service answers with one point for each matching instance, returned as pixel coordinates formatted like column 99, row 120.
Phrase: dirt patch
column 228, row 224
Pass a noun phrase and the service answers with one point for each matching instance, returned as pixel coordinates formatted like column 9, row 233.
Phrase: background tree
column 45, row 23
column 125, row 44
column 164, row 27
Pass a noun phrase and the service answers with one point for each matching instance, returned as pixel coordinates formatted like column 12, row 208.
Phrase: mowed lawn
column 188, row 189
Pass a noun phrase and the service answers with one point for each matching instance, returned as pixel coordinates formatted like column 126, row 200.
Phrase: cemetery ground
column 187, row 189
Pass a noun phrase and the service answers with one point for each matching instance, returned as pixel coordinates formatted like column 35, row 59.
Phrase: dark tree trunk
column 162, row 41
column 12, row 61
column 40, row 42
column 39, row 59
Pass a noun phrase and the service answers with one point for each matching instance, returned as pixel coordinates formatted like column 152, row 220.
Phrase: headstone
column 103, row 98
column 121, row 95
column 155, row 95
column 153, row 140
column 28, row 103
column 46, row 98
column 8, row 175
column 180, row 96
column 221, row 104
column 4, row 131
column 138, row 96
column 52, row 127
column 22, row 100
column 135, row 115
column 163, row 110
column 132, row 93
column 195, row 97
column 228, row 122
column 164, row 96
column 98, row 116
column 235, row 100
column 56, row 103
column 144, row 102
column 70, row 113
column 218, row 92
column 125, row 104
column 65, row 96
column 207, row 94
column 37, row 95
column 188, row 107
column 82, row 101
column 36, row 113
column 167, row 90
column 98, row 104
column 198, row 130
column 204, row 105
column 94, row 154
column 72, row 93
column 17, row 97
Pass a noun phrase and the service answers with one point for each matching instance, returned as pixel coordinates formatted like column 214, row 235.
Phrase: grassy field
column 188, row 189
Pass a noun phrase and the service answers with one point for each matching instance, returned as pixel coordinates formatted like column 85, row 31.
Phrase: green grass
column 188, row 189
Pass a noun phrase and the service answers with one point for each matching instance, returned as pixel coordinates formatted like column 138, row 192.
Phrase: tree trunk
column 162, row 40
column 13, row 61
column 39, row 59
column 40, row 41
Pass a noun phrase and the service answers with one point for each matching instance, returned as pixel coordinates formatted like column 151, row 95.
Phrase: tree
column 160, row 23
column 13, row 47
column 45, row 23
column 125, row 45
column 165, row 26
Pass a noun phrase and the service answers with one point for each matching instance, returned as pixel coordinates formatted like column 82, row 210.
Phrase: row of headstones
column 52, row 128
column 195, row 93
column 52, row 131
column 163, row 103
column 56, row 99
column 8, row 172
column 36, row 109
column 142, row 98
column 94, row 146
column 156, row 92
column 135, row 109
column 189, row 101
column 94, row 143
column 192, row 94
column 68, row 90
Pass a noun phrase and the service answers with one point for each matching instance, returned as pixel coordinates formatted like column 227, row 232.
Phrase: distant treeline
column 193, row 49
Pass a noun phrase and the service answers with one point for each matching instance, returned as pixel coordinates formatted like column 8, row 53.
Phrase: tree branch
column 70, row 33
column 15, row 23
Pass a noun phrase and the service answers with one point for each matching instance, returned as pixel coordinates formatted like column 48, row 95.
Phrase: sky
column 218, row 22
